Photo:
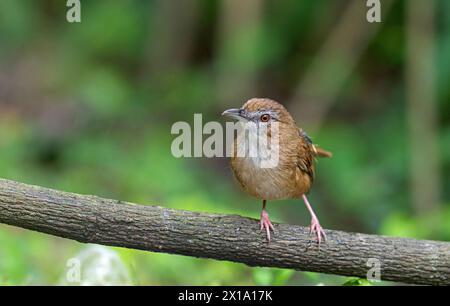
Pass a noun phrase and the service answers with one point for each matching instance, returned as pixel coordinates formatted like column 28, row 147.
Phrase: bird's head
column 259, row 110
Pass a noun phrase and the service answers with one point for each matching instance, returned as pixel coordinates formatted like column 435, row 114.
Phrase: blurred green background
column 87, row 107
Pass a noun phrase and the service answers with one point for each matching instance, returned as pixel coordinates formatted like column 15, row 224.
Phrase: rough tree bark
column 91, row 219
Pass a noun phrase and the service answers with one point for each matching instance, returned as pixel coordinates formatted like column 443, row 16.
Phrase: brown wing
column 305, row 158
column 307, row 153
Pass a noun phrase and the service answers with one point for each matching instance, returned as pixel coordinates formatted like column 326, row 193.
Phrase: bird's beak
column 234, row 113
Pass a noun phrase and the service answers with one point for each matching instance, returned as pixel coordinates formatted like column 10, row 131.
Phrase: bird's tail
column 321, row 152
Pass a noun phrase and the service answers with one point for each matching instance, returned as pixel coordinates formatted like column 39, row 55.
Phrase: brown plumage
column 294, row 173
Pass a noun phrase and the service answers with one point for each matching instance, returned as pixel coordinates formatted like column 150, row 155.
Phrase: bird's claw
column 265, row 223
column 317, row 230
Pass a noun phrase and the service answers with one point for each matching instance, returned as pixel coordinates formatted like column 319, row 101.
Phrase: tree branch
column 92, row 219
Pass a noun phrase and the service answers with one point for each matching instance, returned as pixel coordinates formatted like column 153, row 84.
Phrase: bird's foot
column 317, row 230
column 265, row 223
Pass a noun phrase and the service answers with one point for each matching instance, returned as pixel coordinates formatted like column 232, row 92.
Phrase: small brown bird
column 293, row 174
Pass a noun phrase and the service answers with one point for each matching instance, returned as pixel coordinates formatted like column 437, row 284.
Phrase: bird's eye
column 265, row 118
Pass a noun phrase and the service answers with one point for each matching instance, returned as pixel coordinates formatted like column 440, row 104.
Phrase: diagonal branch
column 91, row 219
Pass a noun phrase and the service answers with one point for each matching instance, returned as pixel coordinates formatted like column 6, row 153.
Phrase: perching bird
column 293, row 174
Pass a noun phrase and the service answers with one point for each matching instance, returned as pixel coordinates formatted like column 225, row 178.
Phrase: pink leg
column 315, row 225
column 265, row 222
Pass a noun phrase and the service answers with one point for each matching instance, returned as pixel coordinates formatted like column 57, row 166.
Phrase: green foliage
column 106, row 92
column 431, row 226
column 357, row 282
column 271, row 277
